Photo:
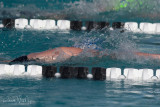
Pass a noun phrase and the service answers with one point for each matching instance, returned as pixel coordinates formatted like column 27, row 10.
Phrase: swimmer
column 61, row 54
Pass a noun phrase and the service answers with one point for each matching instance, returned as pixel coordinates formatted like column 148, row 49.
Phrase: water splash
column 116, row 48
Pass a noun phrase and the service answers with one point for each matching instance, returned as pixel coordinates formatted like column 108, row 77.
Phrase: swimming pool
column 29, row 91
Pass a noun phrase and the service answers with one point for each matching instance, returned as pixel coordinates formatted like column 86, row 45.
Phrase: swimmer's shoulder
column 72, row 50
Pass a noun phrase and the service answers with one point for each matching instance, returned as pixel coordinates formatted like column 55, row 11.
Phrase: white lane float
column 17, row 69
column 49, row 24
column 158, row 73
column 1, row 25
column 21, row 23
column 4, row 69
column 63, row 24
column 89, row 76
column 146, row 74
column 37, row 24
column 157, row 28
column 131, row 73
column 131, row 26
column 57, row 75
column 148, row 27
column 34, row 70
column 113, row 73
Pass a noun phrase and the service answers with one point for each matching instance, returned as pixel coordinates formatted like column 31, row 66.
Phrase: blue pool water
column 18, row 91
column 41, row 92
column 73, row 92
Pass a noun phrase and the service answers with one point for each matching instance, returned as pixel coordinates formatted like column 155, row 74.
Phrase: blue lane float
column 49, row 71
column 8, row 23
column 96, row 25
column 76, row 25
column 99, row 73
column 117, row 25
column 73, row 72
column 82, row 72
column 67, row 72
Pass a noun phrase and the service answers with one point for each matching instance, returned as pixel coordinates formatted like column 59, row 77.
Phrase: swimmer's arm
column 156, row 56
column 5, row 61
column 40, row 54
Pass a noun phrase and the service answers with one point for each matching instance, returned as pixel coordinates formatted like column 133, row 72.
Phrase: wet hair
column 20, row 59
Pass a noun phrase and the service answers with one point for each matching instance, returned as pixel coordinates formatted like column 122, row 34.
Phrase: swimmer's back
column 72, row 51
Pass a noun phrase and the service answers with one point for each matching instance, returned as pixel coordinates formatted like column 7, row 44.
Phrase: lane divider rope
column 97, row 73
